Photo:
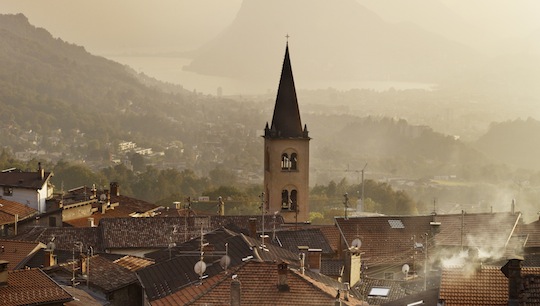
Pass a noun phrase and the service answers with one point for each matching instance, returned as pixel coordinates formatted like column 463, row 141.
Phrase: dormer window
column 8, row 191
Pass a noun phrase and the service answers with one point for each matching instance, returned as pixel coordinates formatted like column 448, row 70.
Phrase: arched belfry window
column 289, row 200
column 285, row 162
column 294, row 200
column 285, row 200
column 294, row 160
column 289, row 162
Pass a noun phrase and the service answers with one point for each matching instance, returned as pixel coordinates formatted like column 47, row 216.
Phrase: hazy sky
column 104, row 26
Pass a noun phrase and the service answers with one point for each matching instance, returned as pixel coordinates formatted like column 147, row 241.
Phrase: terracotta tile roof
column 312, row 238
column 108, row 275
column 8, row 210
column 170, row 275
column 429, row 297
column 64, row 237
column 157, row 232
column 531, row 288
column 394, row 287
column 37, row 259
column 81, row 298
column 485, row 286
column 474, row 230
column 258, row 287
column 133, row 263
column 31, row 287
column 331, row 232
column 532, row 232
column 164, row 278
column 28, row 180
column 385, row 239
column 16, row 251
column 331, row 267
column 216, row 243
column 126, row 207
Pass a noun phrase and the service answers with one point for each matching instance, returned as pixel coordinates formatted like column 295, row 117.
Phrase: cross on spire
column 287, row 36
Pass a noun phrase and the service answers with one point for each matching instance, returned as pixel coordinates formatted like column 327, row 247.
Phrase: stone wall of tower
column 277, row 179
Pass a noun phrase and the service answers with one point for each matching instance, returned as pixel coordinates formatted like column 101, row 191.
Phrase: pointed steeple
column 286, row 119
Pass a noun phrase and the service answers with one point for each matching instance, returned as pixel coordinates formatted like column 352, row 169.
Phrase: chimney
column 91, row 222
column 41, row 171
column 253, row 227
column 94, row 191
column 3, row 273
column 353, row 265
column 346, row 289
column 512, row 270
column 221, row 207
column 49, row 259
column 282, row 277
column 82, row 263
column 235, row 292
column 108, row 193
column 513, row 208
column 302, row 263
column 314, row 259
column 115, row 188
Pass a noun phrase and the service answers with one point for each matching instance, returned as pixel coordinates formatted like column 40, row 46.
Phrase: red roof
column 8, row 210
column 258, row 287
column 31, row 287
column 385, row 239
column 126, row 206
column 28, row 180
column 16, row 251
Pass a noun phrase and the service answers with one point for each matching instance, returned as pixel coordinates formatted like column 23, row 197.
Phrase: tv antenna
column 346, row 203
column 356, row 243
column 263, row 212
column 200, row 266
column 225, row 261
column 405, row 269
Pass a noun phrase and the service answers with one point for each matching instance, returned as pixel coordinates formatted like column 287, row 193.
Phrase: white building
column 29, row 188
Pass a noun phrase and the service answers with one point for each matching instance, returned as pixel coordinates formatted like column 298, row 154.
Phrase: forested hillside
column 513, row 142
column 63, row 105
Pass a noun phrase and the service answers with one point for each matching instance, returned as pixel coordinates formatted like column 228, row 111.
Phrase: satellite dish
column 356, row 243
column 103, row 197
column 200, row 267
column 225, row 261
column 51, row 246
column 405, row 269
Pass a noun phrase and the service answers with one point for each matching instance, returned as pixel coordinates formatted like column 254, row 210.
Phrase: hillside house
column 28, row 188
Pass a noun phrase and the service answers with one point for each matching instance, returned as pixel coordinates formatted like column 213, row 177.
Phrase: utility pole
column 425, row 261
column 363, row 169
column 346, row 203
column 262, row 212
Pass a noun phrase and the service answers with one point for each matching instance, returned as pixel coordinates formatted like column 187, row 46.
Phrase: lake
column 170, row 69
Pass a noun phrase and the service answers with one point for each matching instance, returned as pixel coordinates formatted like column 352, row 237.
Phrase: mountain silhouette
column 329, row 40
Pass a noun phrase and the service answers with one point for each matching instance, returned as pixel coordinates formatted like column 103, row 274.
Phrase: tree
column 138, row 162
column 220, row 176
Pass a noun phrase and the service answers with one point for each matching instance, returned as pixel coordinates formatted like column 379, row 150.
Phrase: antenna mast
column 262, row 212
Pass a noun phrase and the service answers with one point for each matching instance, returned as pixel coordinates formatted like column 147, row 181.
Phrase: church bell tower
column 286, row 154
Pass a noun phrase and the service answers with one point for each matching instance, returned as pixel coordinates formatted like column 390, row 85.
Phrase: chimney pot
column 236, row 291
column 253, row 227
column 115, row 188
column 282, row 277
